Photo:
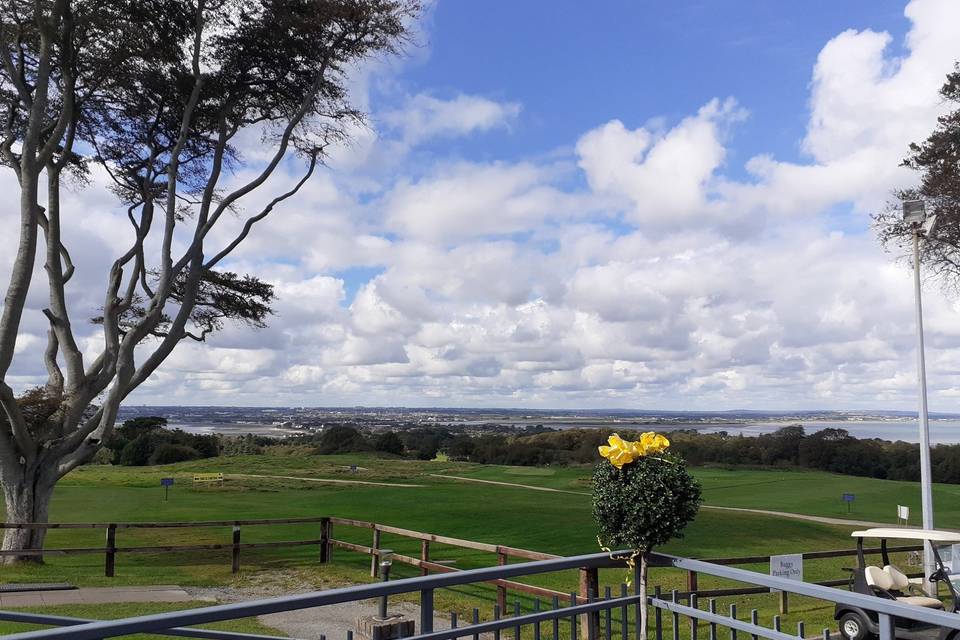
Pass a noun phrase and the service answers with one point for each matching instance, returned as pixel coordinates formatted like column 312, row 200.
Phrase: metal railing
column 596, row 616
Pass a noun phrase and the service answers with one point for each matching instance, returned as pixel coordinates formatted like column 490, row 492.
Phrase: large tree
column 152, row 94
column 937, row 160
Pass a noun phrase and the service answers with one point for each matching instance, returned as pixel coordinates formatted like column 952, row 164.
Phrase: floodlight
column 914, row 212
column 386, row 557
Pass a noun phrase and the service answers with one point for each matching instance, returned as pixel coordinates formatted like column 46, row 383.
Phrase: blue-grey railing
column 598, row 610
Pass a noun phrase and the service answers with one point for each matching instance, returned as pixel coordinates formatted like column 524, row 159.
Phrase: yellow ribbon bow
column 621, row 452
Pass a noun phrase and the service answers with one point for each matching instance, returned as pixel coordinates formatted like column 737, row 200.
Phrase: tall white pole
column 926, row 484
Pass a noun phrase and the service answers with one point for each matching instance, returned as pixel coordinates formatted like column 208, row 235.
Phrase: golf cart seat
column 902, row 580
column 888, row 584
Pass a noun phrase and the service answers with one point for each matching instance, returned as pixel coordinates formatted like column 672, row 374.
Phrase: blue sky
column 608, row 204
column 572, row 66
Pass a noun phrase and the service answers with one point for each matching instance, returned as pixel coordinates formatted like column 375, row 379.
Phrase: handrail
column 230, row 611
column 887, row 609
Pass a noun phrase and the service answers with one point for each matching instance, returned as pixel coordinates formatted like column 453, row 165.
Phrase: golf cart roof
column 903, row 533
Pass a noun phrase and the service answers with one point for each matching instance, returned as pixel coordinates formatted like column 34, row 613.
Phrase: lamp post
column 915, row 216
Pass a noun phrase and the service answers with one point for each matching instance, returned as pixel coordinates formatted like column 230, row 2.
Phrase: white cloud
column 628, row 268
column 666, row 176
column 425, row 116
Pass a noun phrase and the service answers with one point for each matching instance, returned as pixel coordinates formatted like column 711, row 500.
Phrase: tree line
column 831, row 449
column 146, row 441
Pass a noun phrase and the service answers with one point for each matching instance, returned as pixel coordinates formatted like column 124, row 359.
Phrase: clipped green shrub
column 643, row 497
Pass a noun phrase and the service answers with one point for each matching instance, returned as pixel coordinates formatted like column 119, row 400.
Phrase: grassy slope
column 554, row 522
column 808, row 492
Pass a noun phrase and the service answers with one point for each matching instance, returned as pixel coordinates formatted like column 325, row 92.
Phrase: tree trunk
column 642, row 589
column 27, row 500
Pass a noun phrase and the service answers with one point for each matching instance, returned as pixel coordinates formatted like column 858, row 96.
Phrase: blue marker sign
column 848, row 498
column 166, row 483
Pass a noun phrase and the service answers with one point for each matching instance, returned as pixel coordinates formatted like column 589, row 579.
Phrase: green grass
column 124, row 610
column 546, row 521
column 807, row 492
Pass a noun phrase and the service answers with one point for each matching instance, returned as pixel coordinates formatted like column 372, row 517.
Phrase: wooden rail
column 326, row 542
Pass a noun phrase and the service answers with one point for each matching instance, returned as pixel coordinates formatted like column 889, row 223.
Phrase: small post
column 385, row 558
column 692, row 581
column 110, row 551
column 589, row 587
column 784, row 604
column 326, row 531
column 657, row 615
column 235, row 553
column 886, row 627
column 424, row 556
column 694, row 622
column 501, row 590
column 374, row 560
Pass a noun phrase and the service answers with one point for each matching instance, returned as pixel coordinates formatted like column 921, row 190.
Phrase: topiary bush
column 644, row 504
column 643, row 497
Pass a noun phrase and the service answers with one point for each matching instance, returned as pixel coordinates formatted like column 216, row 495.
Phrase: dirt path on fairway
column 328, row 480
column 764, row 512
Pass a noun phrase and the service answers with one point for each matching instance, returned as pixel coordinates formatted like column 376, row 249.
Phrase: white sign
column 787, row 566
column 903, row 512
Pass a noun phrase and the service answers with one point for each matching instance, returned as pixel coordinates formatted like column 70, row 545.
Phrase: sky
column 614, row 205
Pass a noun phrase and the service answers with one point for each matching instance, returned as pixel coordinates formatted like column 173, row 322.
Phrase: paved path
column 802, row 516
column 509, row 484
column 328, row 480
column 96, row 595
column 333, row 621
column 764, row 512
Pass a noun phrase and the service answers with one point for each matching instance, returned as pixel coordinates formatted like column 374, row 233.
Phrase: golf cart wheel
column 852, row 627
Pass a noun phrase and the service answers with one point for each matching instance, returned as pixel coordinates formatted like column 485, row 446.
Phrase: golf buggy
column 889, row 582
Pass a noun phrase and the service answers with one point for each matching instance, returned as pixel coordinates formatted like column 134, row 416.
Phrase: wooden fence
column 588, row 584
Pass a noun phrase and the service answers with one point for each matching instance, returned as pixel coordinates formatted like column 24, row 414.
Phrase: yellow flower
column 620, row 452
column 652, row 443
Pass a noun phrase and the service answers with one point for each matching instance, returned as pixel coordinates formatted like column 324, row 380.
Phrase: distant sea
column 233, row 428
column 941, row 431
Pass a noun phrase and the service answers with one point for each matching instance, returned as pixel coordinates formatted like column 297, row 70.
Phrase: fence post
column 589, row 588
column 110, row 551
column 235, row 556
column 692, row 581
column 375, row 560
column 501, row 591
column 784, row 605
column 326, row 532
column 424, row 556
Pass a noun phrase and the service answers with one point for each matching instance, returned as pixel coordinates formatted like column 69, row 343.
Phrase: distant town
column 285, row 421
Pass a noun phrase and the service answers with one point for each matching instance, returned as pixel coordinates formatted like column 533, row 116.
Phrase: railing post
column 235, row 553
column 589, row 587
column 886, row 627
column 375, row 560
column 426, row 611
column 110, row 551
column 657, row 615
column 692, row 581
column 326, row 533
column 501, row 590
column 424, row 556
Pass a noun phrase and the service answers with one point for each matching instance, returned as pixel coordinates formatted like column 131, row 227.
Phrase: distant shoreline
column 942, row 431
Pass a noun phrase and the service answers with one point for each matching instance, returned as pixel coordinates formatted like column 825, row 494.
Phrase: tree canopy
column 155, row 95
